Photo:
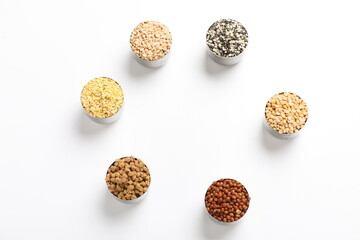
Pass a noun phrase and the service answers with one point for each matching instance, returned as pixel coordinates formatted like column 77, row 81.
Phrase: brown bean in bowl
column 227, row 200
column 128, row 179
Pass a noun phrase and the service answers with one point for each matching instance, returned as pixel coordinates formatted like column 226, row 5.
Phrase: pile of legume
column 286, row 113
column 150, row 40
column 128, row 178
column 102, row 97
column 227, row 200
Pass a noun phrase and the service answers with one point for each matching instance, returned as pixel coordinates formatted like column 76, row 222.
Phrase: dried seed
column 150, row 40
column 102, row 97
column 286, row 113
column 227, row 38
column 224, row 197
column 122, row 186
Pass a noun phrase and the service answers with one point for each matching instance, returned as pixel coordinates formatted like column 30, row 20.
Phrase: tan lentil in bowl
column 102, row 97
column 286, row 113
column 150, row 40
column 128, row 178
column 227, row 200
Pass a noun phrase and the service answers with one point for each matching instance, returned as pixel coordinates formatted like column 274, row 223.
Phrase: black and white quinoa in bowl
column 226, row 40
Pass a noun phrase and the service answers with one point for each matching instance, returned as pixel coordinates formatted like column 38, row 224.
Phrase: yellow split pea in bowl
column 102, row 98
column 286, row 114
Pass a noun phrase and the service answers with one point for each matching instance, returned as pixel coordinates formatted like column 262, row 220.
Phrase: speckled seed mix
column 286, row 113
column 227, row 38
column 102, row 97
column 128, row 178
column 150, row 40
column 227, row 200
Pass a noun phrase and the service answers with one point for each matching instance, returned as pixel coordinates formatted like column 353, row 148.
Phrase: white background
column 191, row 121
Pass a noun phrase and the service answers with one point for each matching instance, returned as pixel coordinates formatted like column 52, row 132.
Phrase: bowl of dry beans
column 102, row 99
column 150, row 42
column 128, row 179
column 226, row 201
column 285, row 115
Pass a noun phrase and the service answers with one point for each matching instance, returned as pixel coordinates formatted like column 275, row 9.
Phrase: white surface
column 191, row 121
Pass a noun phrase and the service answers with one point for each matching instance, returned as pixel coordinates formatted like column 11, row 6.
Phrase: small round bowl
column 153, row 64
column 226, row 61
column 108, row 178
column 276, row 134
column 102, row 98
column 232, row 196
column 108, row 120
column 232, row 52
column 139, row 199
column 287, row 134
column 150, row 41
